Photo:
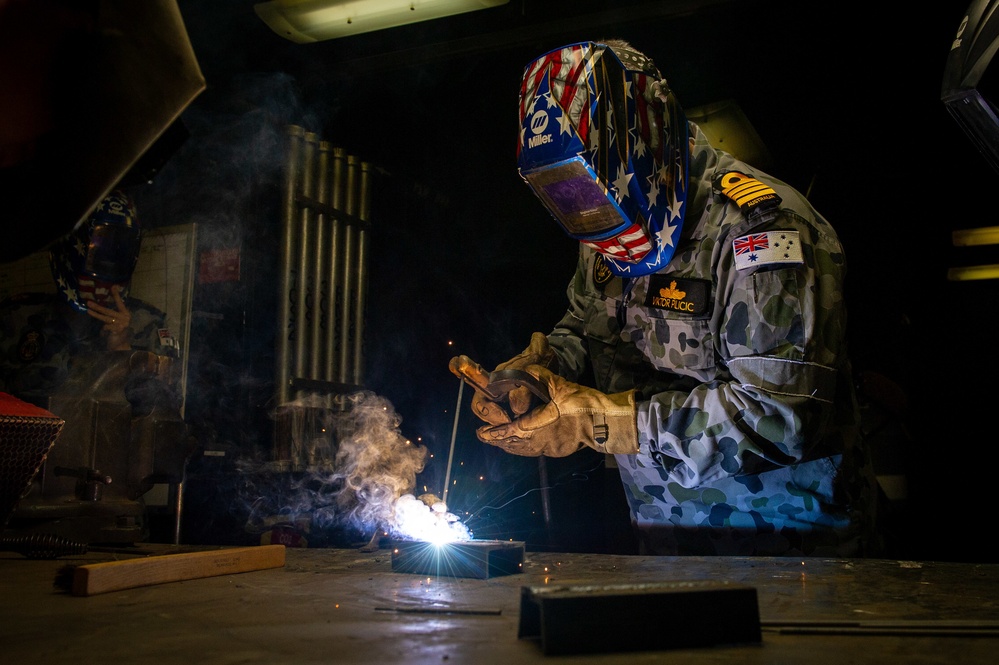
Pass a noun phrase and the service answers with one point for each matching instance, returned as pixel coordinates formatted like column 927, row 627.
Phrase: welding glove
column 538, row 352
column 575, row 417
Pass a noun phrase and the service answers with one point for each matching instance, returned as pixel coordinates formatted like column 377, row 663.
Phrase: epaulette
column 756, row 200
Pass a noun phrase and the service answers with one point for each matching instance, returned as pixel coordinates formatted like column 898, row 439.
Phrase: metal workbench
column 350, row 606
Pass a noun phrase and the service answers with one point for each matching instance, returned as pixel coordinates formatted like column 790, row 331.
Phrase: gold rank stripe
column 742, row 189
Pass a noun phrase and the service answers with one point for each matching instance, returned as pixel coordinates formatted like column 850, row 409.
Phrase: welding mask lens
column 112, row 253
column 571, row 192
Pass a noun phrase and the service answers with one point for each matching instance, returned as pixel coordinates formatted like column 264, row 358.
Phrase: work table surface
column 350, row 606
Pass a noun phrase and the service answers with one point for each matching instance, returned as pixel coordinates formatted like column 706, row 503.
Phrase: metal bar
column 464, row 558
column 600, row 619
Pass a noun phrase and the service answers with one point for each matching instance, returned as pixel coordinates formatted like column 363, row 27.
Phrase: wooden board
column 95, row 578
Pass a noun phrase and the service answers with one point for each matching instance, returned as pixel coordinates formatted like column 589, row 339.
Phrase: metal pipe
column 322, row 282
column 284, row 320
column 338, row 175
column 363, row 214
column 321, row 256
column 347, row 285
column 305, row 242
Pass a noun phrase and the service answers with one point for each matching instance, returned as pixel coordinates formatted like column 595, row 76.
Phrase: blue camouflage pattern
column 748, row 423
column 41, row 338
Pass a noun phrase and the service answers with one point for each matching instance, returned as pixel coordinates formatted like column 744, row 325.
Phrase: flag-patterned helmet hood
column 99, row 253
column 604, row 145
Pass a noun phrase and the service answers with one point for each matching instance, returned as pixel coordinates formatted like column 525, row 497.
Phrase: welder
column 704, row 345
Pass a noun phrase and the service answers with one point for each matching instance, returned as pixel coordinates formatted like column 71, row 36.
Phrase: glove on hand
column 538, row 352
column 575, row 417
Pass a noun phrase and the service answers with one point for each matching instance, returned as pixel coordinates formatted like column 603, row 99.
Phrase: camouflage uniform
column 41, row 338
column 747, row 420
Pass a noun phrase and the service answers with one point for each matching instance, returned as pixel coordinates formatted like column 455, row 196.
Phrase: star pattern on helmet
column 674, row 210
column 653, row 194
column 621, row 182
column 564, row 123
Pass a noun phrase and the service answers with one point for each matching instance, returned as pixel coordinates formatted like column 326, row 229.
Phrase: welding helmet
column 100, row 253
column 604, row 145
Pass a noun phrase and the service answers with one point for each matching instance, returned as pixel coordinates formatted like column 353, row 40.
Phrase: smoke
column 375, row 463
column 358, row 472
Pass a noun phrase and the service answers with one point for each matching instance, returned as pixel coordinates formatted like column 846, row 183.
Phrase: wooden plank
column 95, row 578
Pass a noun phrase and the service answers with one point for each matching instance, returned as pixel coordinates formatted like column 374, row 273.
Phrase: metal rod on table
column 454, row 433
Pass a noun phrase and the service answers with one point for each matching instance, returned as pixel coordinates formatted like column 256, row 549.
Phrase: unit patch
column 30, row 346
column 687, row 296
column 767, row 248
column 601, row 273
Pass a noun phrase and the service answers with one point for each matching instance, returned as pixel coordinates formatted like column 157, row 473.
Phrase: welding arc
column 454, row 433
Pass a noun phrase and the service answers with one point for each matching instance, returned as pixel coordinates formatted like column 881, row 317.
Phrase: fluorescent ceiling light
column 305, row 21
column 986, row 235
column 973, row 272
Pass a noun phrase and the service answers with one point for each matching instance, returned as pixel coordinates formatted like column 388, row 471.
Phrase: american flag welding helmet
column 99, row 253
column 604, row 145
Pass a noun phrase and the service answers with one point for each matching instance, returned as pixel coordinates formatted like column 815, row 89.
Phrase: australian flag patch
column 767, row 248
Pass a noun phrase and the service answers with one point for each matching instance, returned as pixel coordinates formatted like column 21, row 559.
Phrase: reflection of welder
column 706, row 314
column 102, row 362
column 42, row 335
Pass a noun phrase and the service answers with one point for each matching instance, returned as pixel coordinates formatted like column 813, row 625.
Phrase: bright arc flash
column 415, row 520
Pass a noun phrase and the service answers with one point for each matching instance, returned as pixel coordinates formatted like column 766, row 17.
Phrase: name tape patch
column 688, row 296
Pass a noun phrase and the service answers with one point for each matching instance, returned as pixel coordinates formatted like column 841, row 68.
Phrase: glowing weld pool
column 466, row 558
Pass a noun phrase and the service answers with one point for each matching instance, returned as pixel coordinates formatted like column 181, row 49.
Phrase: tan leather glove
column 538, row 352
column 575, row 417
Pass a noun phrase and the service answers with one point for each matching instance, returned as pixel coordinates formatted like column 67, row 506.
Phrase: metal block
column 638, row 617
column 480, row 559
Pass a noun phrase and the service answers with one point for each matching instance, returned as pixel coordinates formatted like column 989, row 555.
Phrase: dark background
column 464, row 260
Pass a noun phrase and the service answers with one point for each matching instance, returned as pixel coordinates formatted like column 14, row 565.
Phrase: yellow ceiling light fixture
column 305, row 21
column 985, row 235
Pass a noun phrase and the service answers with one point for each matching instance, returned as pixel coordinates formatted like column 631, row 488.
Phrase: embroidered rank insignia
column 687, row 296
column 752, row 196
column 601, row 273
column 767, row 248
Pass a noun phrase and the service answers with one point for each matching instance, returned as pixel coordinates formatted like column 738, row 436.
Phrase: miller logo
column 601, row 273
column 687, row 296
column 539, row 123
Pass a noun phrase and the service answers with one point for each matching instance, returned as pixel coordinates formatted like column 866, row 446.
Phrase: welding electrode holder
column 496, row 385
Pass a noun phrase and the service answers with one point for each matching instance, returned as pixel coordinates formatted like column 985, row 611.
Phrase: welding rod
column 454, row 433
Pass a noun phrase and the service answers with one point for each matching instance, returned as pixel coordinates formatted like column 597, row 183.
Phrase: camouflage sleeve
column 779, row 337
column 567, row 337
